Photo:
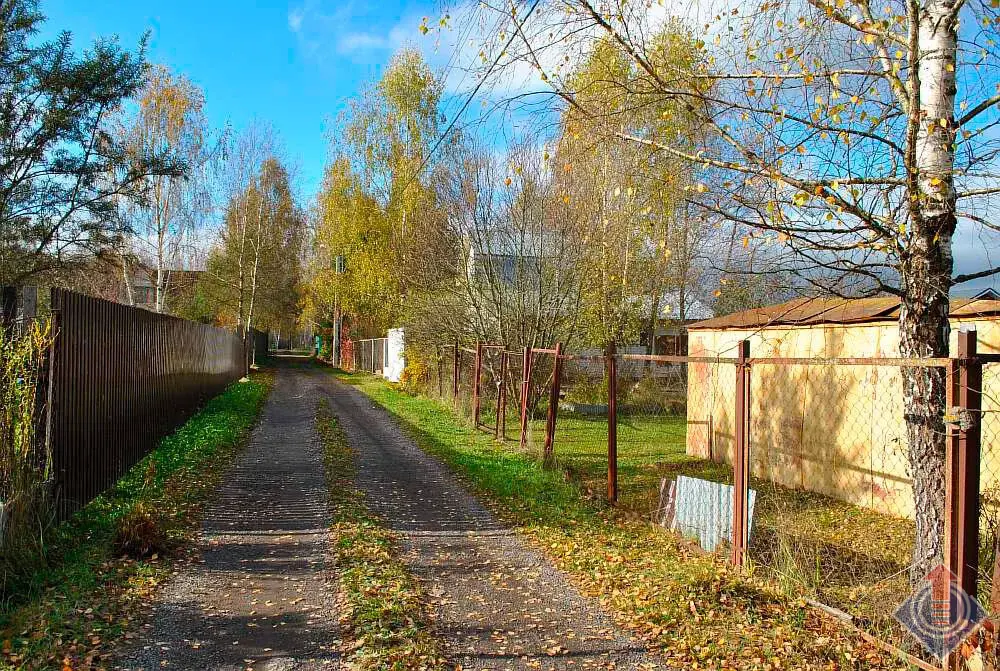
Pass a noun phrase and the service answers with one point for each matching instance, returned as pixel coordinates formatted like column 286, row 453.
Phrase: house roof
column 811, row 311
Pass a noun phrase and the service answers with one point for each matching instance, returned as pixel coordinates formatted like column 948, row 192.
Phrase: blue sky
column 293, row 63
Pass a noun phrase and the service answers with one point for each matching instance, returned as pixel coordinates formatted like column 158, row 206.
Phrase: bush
column 25, row 469
column 141, row 532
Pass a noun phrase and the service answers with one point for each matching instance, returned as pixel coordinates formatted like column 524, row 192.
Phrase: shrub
column 25, row 468
column 141, row 532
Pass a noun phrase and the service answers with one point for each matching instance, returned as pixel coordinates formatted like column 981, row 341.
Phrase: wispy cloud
column 364, row 41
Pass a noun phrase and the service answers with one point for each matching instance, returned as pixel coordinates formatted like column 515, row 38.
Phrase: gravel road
column 259, row 597
column 499, row 604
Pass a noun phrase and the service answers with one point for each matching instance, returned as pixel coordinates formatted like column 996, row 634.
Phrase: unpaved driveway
column 259, row 597
column 499, row 604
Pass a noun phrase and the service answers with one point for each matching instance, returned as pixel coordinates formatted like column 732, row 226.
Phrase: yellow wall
column 837, row 430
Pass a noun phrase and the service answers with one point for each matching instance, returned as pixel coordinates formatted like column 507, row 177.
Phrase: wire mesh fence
column 989, row 511
column 369, row 355
column 820, row 451
column 830, row 466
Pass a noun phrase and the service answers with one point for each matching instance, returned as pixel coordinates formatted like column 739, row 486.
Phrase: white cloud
column 295, row 17
column 362, row 42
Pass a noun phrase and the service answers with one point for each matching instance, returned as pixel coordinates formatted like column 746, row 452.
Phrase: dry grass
column 24, row 466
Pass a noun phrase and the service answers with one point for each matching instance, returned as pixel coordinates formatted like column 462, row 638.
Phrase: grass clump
column 25, row 466
column 700, row 612
column 385, row 611
column 70, row 608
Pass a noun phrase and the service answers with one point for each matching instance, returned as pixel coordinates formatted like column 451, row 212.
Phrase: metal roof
column 811, row 311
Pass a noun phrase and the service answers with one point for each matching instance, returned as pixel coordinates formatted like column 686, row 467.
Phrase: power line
column 468, row 101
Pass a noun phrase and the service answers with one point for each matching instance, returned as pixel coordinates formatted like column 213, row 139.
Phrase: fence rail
column 121, row 378
column 811, row 454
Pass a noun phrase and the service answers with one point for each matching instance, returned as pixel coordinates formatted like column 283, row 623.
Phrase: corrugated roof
column 809, row 311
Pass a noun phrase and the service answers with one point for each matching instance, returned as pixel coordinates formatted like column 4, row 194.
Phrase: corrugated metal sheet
column 809, row 311
column 704, row 511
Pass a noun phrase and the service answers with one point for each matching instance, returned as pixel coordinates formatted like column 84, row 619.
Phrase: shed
column 834, row 429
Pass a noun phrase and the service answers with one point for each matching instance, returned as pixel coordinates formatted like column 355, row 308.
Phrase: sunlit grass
column 385, row 610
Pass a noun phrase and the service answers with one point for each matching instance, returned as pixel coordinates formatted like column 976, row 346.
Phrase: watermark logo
column 940, row 614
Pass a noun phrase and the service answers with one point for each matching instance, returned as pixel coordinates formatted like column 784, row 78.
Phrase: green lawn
column 693, row 604
column 73, row 603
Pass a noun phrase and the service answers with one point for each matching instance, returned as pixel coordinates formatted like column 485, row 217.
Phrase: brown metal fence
column 812, row 455
column 122, row 378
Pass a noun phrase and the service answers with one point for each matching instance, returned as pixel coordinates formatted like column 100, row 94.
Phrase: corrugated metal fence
column 121, row 379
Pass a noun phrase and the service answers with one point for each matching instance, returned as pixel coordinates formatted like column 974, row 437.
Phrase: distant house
column 674, row 316
column 180, row 284
column 491, row 258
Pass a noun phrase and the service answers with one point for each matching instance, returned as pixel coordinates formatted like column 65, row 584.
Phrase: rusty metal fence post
column 741, row 454
column 525, row 385
column 962, row 463
column 550, row 421
column 501, row 428
column 611, row 365
column 477, row 379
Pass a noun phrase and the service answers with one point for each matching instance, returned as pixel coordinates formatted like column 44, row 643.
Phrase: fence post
column 455, row 372
column 501, row 431
column 8, row 308
column 525, row 384
column 965, row 381
column 477, row 378
column 611, row 364
column 741, row 454
column 550, row 422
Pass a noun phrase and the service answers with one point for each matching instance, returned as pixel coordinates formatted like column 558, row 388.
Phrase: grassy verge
column 70, row 611
column 806, row 543
column 700, row 612
column 385, row 611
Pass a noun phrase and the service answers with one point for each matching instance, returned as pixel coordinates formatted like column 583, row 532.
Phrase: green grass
column 77, row 601
column 385, row 611
column 692, row 604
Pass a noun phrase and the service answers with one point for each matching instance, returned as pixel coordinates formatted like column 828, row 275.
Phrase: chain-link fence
column 988, row 570
column 369, row 355
column 830, row 465
column 810, row 460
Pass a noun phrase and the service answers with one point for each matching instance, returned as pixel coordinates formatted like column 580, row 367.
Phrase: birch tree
column 857, row 136
column 169, row 121
column 255, row 272
column 243, row 159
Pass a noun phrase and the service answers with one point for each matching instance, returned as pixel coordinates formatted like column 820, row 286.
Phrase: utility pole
column 339, row 267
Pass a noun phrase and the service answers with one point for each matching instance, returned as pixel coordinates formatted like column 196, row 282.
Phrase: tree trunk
column 926, row 272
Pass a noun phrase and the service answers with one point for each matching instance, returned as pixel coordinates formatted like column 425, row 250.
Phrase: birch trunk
column 926, row 272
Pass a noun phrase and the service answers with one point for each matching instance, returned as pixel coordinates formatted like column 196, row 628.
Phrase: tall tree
column 229, row 267
column 62, row 174
column 255, row 273
column 388, row 133
column 855, row 134
column 350, row 224
column 169, row 121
